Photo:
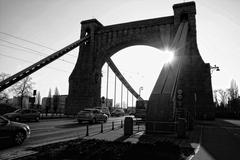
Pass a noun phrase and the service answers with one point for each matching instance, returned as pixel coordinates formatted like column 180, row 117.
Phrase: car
column 118, row 112
column 23, row 114
column 91, row 115
column 105, row 110
column 13, row 131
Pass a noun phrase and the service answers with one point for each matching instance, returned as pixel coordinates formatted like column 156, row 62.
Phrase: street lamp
column 212, row 68
column 141, row 88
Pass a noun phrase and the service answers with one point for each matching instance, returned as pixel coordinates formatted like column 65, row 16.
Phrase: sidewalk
column 191, row 141
column 189, row 145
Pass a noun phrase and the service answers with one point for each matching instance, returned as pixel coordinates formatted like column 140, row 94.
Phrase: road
column 220, row 140
column 53, row 130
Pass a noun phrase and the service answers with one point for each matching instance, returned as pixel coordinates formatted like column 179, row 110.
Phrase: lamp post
column 212, row 68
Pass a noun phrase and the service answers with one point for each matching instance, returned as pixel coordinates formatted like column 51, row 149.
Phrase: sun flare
column 169, row 55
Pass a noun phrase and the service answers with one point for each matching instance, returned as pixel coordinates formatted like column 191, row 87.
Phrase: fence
column 103, row 127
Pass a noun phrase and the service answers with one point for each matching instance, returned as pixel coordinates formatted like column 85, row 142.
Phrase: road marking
column 198, row 147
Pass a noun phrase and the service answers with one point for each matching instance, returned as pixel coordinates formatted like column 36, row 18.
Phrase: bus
column 141, row 109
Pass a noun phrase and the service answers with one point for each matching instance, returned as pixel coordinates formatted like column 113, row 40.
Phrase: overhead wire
column 26, row 49
column 35, row 43
column 39, row 53
column 23, row 60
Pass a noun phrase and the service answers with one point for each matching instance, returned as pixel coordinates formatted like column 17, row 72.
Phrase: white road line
column 198, row 147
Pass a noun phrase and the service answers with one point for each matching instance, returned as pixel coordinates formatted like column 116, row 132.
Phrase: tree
column 223, row 95
column 48, row 101
column 23, row 88
column 4, row 94
column 215, row 97
column 234, row 103
column 38, row 98
column 56, row 99
column 233, row 90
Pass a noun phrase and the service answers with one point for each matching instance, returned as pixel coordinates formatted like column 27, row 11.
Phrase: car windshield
column 103, row 109
column 118, row 110
column 3, row 119
column 86, row 111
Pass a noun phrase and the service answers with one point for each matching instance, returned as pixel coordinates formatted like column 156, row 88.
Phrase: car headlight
column 27, row 129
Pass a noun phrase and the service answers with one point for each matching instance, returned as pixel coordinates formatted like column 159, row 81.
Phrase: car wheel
column 37, row 119
column 19, row 137
column 17, row 119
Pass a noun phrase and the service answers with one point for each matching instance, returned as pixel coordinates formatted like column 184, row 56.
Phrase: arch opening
column 140, row 65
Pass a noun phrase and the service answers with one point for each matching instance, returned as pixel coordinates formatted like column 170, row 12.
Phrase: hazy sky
column 56, row 23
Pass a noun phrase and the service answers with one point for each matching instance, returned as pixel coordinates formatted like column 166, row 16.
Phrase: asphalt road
column 53, row 130
column 220, row 140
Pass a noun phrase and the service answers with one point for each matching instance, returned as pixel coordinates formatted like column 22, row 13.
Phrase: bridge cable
column 23, row 60
column 31, row 69
column 35, row 43
column 39, row 53
column 121, row 78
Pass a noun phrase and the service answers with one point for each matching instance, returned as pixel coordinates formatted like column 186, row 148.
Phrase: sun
column 169, row 55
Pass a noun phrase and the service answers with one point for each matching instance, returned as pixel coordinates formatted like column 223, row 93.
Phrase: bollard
column 181, row 128
column 121, row 124
column 128, row 126
column 112, row 125
column 101, row 128
column 87, row 134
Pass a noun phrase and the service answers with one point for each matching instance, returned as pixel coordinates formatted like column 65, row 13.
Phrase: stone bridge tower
column 105, row 41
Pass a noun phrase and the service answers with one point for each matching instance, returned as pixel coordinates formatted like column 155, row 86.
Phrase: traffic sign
column 179, row 98
column 179, row 91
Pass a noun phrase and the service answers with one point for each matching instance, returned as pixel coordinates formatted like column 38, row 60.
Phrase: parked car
column 105, row 110
column 91, row 115
column 23, row 114
column 118, row 112
column 13, row 131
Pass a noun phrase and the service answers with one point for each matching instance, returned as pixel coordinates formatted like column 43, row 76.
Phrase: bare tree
column 56, row 100
column 4, row 94
column 234, row 103
column 223, row 96
column 233, row 90
column 215, row 97
column 38, row 98
column 23, row 88
column 48, row 101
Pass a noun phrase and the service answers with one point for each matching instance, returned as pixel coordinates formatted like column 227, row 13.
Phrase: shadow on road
column 6, row 145
column 75, row 125
column 70, row 125
column 220, row 140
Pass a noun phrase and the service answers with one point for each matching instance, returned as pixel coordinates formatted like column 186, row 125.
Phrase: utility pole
column 115, row 90
column 107, row 81
column 121, row 95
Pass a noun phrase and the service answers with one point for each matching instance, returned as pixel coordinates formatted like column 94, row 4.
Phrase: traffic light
column 34, row 92
column 179, row 98
column 103, row 99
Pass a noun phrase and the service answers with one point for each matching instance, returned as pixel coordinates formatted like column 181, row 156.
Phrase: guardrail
column 103, row 127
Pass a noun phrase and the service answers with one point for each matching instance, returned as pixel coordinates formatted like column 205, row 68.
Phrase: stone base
column 153, row 127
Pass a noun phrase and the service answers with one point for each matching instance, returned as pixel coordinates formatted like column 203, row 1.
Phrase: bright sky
column 56, row 23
